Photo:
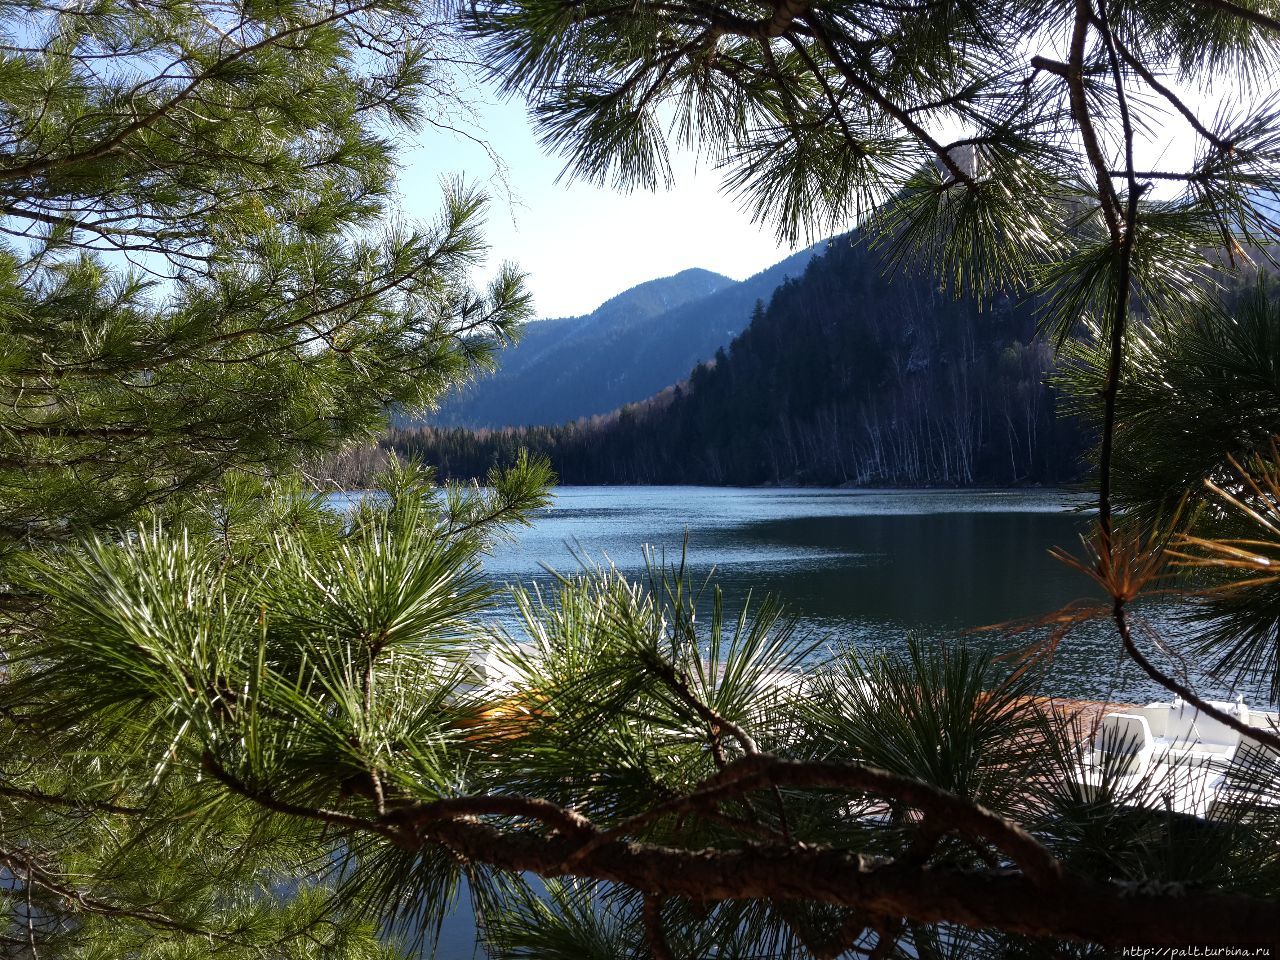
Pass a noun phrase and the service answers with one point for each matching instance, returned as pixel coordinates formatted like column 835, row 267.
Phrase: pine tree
column 201, row 285
column 200, row 271
column 248, row 658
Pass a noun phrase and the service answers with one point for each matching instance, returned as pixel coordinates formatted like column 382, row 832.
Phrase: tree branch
column 1078, row 909
column 270, row 802
column 654, row 933
column 679, row 685
column 1120, row 616
column 872, row 92
column 35, row 167
column 958, row 815
column 560, row 819
column 25, row 867
column 62, row 800
column 1107, row 197
column 759, row 771
column 1120, row 316
column 1244, row 13
column 784, row 12
column 1140, row 68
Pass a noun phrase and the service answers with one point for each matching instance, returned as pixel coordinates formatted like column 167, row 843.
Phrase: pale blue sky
column 580, row 244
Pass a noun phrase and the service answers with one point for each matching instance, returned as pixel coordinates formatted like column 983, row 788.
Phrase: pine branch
column 1107, row 196
column 1077, row 909
column 24, row 866
column 654, row 933
column 1120, row 616
column 878, row 97
column 116, row 140
column 67, row 801
column 1243, row 13
column 1176, row 102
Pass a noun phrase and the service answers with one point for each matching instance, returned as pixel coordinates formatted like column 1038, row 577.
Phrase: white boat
column 1173, row 756
column 1167, row 756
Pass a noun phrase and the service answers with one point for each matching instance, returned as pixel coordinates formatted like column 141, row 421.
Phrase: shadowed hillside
column 629, row 348
column 845, row 377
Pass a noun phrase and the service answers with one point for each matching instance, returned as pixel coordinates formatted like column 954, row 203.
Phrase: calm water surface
column 856, row 566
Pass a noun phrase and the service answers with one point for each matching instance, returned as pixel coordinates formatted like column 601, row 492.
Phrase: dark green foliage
column 195, row 270
column 330, row 641
column 1197, row 429
column 1201, row 391
column 200, row 286
column 952, row 718
column 310, row 708
column 237, row 666
column 851, row 375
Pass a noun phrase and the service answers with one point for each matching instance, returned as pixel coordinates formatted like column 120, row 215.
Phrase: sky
column 580, row 244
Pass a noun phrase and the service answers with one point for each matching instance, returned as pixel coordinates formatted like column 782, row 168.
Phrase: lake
column 867, row 567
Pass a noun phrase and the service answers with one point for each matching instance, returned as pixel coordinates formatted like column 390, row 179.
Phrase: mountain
column 629, row 348
column 847, row 377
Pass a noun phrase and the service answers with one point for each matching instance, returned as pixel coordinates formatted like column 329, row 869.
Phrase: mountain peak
column 628, row 348
column 656, row 296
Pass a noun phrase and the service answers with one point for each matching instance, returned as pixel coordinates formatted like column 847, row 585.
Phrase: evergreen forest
column 850, row 376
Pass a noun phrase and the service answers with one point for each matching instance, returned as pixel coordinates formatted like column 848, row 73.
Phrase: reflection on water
column 957, row 558
column 856, row 566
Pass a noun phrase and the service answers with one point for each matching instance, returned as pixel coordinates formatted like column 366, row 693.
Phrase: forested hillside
column 845, row 377
column 626, row 350
column 537, row 377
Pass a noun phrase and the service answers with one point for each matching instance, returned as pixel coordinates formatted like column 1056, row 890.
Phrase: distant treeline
column 845, row 378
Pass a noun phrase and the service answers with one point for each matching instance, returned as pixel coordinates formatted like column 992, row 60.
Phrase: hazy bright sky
column 580, row 244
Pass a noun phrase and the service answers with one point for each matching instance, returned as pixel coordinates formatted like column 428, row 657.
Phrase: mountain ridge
column 847, row 377
column 630, row 347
